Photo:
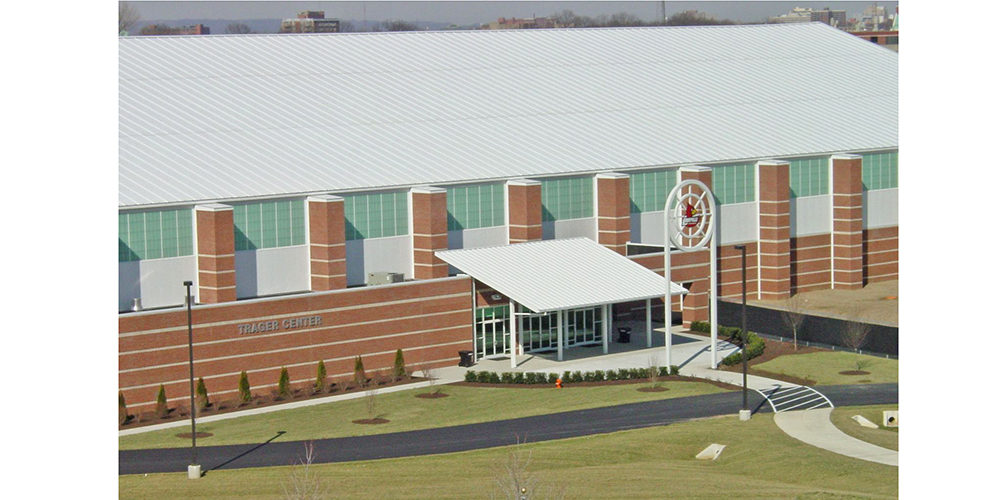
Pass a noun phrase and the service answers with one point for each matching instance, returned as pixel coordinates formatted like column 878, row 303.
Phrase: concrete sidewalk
column 814, row 427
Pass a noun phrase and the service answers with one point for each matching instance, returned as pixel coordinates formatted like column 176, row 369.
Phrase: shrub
column 518, row 378
column 675, row 370
column 470, row 376
column 754, row 348
column 506, row 378
column 201, row 394
column 359, row 372
column 283, row 389
column 701, row 326
column 599, row 375
column 566, row 376
column 577, row 377
column 483, row 377
column 663, row 371
column 398, row 366
column 529, row 378
column 588, row 376
column 611, row 375
column 122, row 410
column 161, row 403
column 494, row 378
column 320, row 377
column 245, row 395
column 636, row 373
column 553, row 377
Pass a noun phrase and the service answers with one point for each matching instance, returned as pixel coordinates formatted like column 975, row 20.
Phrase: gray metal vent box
column 384, row 278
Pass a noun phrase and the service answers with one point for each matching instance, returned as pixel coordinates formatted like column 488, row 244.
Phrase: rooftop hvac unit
column 384, row 278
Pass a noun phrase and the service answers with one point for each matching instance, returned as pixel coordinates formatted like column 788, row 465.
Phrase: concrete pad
column 711, row 453
column 864, row 422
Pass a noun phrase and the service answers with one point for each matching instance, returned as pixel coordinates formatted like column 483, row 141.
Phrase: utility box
column 890, row 418
column 384, row 278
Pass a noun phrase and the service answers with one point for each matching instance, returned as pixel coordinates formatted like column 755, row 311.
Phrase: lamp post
column 194, row 470
column 745, row 412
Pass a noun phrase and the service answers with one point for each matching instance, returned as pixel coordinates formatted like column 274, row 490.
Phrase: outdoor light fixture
column 194, row 470
column 745, row 412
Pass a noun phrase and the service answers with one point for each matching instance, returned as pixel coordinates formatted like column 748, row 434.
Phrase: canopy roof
column 551, row 275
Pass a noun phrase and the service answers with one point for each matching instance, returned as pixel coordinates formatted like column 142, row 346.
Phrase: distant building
column 796, row 15
column 310, row 21
column 197, row 29
column 886, row 38
column 514, row 23
column 162, row 29
column 835, row 18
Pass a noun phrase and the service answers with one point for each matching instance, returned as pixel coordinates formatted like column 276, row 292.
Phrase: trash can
column 465, row 358
column 624, row 335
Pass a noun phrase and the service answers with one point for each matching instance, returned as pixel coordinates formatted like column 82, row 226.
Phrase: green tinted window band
column 375, row 215
column 471, row 207
column 564, row 199
column 154, row 235
column 734, row 183
column 269, row 224
column 808, row 177
column 880, row 170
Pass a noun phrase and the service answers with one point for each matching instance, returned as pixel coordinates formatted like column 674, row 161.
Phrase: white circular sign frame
column 678, row 219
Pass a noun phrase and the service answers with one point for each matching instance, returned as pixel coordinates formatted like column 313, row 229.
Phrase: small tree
column 320, row 377
column 794, row 315
column 245, row 395
column 283, row 390
column 399, row 366
column 370, row 399
column 201, row 395
column 122, row 410
column 651, row 372
column 161, row 403
column 359, row 372
column 855, row 333
column 303, row 482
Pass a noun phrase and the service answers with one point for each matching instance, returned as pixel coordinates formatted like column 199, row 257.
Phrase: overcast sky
column 471, row 12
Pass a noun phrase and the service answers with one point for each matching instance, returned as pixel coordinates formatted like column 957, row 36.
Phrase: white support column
column 604, row 325
column 513, row 335
column 559, row 338
column 713, row 297
column 668, row 299
column 649, row 322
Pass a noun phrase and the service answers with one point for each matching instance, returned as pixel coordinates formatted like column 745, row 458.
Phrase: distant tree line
column 569, row 19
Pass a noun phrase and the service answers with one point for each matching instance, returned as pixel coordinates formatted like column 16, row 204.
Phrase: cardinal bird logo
column 691, row 217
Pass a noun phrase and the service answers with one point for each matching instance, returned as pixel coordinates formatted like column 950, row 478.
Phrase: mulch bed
column 432, row 395
column 653, row 389
column 854, row 372
column 258, row 401
column 371, row 421
column 773, row 349
column 595, row 384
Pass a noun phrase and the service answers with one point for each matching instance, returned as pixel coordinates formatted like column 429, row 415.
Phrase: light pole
column 194, row 470
column 745, row 412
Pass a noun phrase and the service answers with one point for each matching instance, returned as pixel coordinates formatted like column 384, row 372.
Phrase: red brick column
column 614, row 219
column 524, row 210
column 429, row 213
column 774, row 249
column 697, row 264
column 216, row 254
column 327, row 252
column 848, row 230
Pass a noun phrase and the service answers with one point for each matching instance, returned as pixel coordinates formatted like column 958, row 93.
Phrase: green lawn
column 759, row 461
column 885, row 437
column 405, row 412
column 824, row 367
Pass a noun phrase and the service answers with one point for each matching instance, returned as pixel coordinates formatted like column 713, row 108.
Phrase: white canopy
column 551, row 275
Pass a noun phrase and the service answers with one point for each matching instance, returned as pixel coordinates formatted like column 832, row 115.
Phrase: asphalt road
column 476, row 436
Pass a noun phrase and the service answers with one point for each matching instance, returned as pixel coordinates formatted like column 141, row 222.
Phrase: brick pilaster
column 614, row 219
column 773, row 245
column 696, row 300
column 216, row 254
column 327, row 252
column 848, row 230
column 429, row 213
column 524, row 210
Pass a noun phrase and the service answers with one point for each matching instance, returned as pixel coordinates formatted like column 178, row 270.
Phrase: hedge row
column 568, row 377
column 755, row 345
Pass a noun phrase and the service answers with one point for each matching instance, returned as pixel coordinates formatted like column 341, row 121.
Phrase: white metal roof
column 551, row 275
column 228, row 117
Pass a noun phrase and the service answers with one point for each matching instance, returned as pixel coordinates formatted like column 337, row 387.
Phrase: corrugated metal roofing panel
column 559, row 274
column 224, row 117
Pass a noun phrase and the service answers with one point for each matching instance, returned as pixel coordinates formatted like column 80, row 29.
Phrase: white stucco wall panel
column 393, row 254
column 158, row 282
column 881, row 208
column 811, row 215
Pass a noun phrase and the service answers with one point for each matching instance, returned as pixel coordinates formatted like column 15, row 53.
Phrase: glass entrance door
column 583, row 326
column 492, row 331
